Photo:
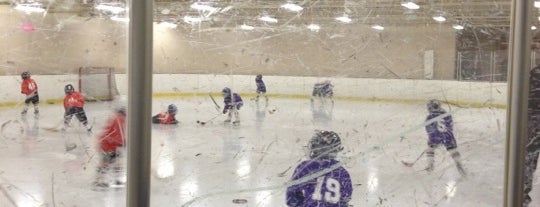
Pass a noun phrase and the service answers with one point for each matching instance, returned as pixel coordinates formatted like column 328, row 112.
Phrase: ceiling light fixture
column 314, row 27
column 30, row 7
column 120, row 19
column 169, row 25
column 457, row 26
column 292, row 7
column 410, row 5
column 377, row 27
column 533, row 27
column 344, row 19
column 439, row 18
column 192, row 20
column 203, row 7
column 268, row 19
column 537, row 4
column 246, row 27
column 113, row 8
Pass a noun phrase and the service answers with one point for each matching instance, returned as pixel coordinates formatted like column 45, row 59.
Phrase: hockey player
column 74, row 105
column 109, row 141
column 440, row 131
column 261, row 88
column 323, row 90
column 29, row 88
column 233, row 102
column 167, row 117
column 533, row 144
column 330, row 189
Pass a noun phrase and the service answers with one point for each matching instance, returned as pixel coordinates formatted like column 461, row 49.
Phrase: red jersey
column 29, row 86
column 114, row 133
column 75, row 99
column 166, row 118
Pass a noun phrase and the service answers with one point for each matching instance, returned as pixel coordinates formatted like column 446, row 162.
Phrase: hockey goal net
column 97, row 83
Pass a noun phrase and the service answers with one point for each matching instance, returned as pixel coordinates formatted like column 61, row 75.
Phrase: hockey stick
column 205, row 122
column 410, row 164
column 218, row 108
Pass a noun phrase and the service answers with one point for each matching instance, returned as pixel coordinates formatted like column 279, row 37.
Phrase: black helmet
column 226, row 91
column 433, row 105
column 25, row 75
column 258, row 77
column 324, row 145
column 172, row 109
column 69, row 89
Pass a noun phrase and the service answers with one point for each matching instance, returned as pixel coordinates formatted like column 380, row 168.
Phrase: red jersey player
column 112, row 137
column 30, row 89
column 73, row 105
column 167, row 117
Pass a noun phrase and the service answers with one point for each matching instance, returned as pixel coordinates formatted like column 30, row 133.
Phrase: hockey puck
column 239, row 201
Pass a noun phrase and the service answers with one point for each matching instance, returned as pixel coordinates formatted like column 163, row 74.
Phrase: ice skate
column 24, row 112
column 236, row 123
column 36, row 114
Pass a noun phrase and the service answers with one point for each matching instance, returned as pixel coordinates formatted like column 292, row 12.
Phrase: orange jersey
column 29, row 86
column 114, row 133
column 166, row 118
column 74, row 99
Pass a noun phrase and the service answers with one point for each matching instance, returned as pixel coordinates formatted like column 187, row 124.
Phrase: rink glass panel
column 226, row 44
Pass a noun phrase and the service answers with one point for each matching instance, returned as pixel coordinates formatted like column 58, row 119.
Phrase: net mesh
column 97, row 83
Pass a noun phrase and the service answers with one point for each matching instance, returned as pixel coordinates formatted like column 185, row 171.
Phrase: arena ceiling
column 224, row 13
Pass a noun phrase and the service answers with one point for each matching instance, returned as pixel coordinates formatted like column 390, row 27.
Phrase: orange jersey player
column 167, row 117
column 74, row 105
column 109, row 141
column 29, row 88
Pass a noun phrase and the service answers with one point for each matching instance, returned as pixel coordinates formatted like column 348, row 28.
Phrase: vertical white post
column 428, row 64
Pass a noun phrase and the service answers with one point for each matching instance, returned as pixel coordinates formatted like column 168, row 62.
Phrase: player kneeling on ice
column 74, row 105
column 440, row 131
column 333, row 187
column 167, row 117
column 233, row 102
column 323, row 90
column 110, row 141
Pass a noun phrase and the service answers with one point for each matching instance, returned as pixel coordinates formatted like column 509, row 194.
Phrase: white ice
column 210, row 165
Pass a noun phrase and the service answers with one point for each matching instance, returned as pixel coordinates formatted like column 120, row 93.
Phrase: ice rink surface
column 210, row 165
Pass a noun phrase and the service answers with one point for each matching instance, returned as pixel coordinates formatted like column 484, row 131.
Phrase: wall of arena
column 61, row 43
column 466, row 94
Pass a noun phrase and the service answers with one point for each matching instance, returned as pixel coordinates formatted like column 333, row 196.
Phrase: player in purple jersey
column 233, row 102
column 323, row 90
column 533, row 140
column 321, row 180
column 261, row 88
column 440, row 131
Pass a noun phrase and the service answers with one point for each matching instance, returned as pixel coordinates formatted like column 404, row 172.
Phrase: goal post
column 97, row 83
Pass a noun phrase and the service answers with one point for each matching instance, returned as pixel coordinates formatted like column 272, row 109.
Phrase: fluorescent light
column 120, row 19
column 192, row 20
column 533, row 27
column 203, row 7
column 29, row 8
column 457, row 26
column 314, row 27
column 115, row 9
column 410, row 5
column 537, row 4
column 439, row 18
column 268, row 19
column 344, row 19
column 377, row 27
column 246, row 27
column 292, row 7
column 168, row 25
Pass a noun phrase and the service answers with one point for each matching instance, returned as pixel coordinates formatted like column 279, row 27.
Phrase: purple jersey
column 233, row 101
column 331, row 189
column 441, row 131
column 260, row 86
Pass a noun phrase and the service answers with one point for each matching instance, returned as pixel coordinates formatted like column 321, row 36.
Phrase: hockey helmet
column 25, row 75
column 172, row 109
column 324, row 145
column 433, row 105
column 226, row 91
column 258, row 77
column 68, row 89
